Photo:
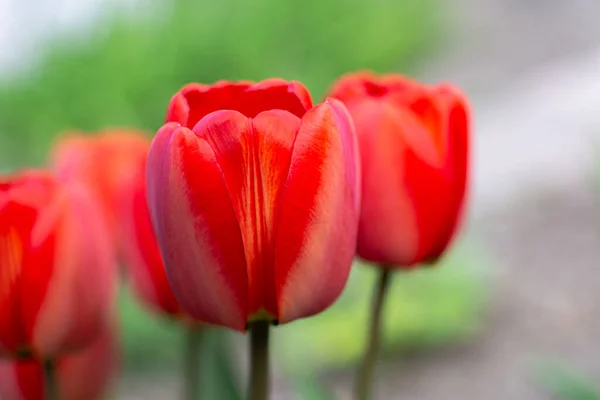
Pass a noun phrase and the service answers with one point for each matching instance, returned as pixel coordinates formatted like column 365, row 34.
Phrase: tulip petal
column 73, row 310
column 29, row 219
column 351, row 152
column 400, row 216
column 352, row 86
column 24, row 379
column 197, row 229
column 355, row 86
column 194, row 101
column 9, row 383
column 314, row 249
column 254, row 157
column 276, row 94
column 457, row 132
column 86, row 375
column 16, row 222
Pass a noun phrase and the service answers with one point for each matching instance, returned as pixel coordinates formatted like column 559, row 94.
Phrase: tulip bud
column 254, row 197
column 84, row 375
column 56, row 276
column 414, row 144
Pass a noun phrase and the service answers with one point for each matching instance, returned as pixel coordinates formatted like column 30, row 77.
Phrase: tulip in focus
column 56, row 276
column 414, row 147
column 254, row 196
column 112, row 165
column 84, row 375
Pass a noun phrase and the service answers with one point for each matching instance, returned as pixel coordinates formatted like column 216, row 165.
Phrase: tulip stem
column 364, row 378
column 50, row 384
column 259, row 361
column 191, row 359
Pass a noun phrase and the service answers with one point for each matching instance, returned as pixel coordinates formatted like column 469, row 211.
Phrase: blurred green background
column 124, row 75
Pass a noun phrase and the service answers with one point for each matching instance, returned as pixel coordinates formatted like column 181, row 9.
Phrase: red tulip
column 112, row 165
column 84, row 375
column 56, row 277
column 254, row 199
column 414, row 143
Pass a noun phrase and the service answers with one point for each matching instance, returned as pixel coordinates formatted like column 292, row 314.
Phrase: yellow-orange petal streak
column 13, row 249
column 11, row 261
column 254, row 156
column 317, row 226
column 12, row 252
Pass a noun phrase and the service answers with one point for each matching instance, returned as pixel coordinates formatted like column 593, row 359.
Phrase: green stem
column 50, row 384
column 259, row 361
column 364, row 378
column 191, row 360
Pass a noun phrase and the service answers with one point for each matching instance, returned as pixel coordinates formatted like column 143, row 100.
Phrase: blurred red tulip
column 84, row 375
column 414, row 144
column 112, row 165
column 254, row 196
column 56, row 276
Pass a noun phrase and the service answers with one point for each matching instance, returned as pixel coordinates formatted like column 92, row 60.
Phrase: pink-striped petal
column 316, row 232
column 197, row 229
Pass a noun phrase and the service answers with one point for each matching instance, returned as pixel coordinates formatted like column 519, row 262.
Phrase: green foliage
column 152, row 345
column 568, row 384
column 309, row 388
column 126, row 73
column 147, row 340
column 424, row 308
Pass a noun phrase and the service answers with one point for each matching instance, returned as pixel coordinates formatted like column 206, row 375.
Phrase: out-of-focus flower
column 414, row 146
column 112, row 165
column 254, row 197
column 103, row 163
column 56, row 276
column 84, row 375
